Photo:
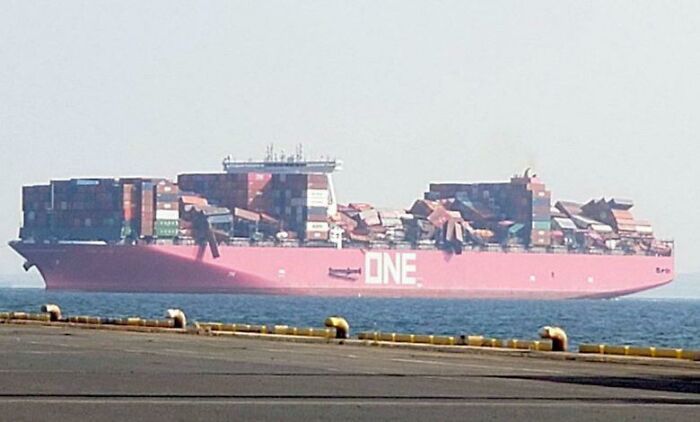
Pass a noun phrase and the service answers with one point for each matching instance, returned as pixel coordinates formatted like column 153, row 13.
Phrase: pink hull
column 344, row 272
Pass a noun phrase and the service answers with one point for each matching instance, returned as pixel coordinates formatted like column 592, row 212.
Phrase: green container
column 541, row 225
column 126, row 229
column 166, row 228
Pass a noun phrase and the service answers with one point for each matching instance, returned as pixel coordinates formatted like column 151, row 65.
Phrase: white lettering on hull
column 385, row 268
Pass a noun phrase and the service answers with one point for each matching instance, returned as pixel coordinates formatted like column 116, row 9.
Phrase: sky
column 600, row 98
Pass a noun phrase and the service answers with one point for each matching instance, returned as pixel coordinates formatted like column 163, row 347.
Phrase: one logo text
column 385, row 268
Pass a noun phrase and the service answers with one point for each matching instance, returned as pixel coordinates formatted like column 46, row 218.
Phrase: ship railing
column 282, row 167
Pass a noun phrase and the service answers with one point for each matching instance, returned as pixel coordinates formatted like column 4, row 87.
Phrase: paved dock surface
column 75, row 374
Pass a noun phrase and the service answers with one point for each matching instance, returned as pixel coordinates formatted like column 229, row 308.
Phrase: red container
column 317, row 218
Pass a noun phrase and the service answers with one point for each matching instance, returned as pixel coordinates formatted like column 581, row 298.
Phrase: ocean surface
column 669, row 323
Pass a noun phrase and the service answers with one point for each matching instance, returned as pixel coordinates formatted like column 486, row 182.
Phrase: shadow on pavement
column 676, row 384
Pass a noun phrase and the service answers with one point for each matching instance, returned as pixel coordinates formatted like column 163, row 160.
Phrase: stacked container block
column 536, row 207
column 129, row 210
column 167, row 210
column 36, row 208
column 142, row 202
column 87, row 209
column 302, row 203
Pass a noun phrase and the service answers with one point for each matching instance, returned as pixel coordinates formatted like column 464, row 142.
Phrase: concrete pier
column 63, row 373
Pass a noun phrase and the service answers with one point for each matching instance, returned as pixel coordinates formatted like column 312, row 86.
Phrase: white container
column 312, row 198
column 317, row 194
column 316, row 226
column 314, row 202
column 167, row 214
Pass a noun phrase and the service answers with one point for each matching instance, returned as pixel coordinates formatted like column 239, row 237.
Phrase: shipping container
column 317, row 226
column 316, row 235
column 166, row 228
column 541, row 225
column 167, row 214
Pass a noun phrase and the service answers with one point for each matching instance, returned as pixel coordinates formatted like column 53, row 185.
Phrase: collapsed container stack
column 419, row 228
column 265, row 203
column 242, row 195
column 249, row 191
column 393, row 222
column 564, row 230
column 518, row 209
column 616, row 214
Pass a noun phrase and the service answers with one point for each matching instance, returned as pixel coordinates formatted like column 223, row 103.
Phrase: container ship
column 275, row 226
